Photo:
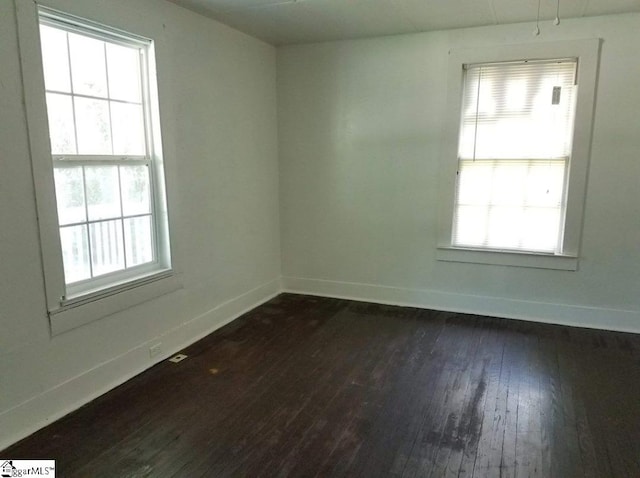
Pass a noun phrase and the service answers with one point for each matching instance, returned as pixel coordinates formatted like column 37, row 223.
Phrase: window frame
column 587, row 53
column 69, row 308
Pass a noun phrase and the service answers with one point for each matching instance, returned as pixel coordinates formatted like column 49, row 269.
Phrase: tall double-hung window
column 515, row 144
column 103, row 223
column 515, row 153
column 98, row 106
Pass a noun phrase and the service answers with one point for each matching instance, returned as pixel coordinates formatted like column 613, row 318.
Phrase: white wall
column 218, row 111
column 359, row 140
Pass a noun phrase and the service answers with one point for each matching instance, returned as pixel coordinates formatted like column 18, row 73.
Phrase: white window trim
column 587, row 52
column 66, row 313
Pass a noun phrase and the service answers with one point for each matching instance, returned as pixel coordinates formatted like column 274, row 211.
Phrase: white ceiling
column 281, row 22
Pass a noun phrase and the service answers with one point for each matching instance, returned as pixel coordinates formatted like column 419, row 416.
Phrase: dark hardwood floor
column 305, row 386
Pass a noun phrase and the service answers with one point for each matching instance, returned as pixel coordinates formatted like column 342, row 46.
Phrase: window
column 94, row 132
column 515, row 143
column 517, row 154
column 98, row 106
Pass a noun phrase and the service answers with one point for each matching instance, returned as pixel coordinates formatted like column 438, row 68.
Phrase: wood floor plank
column 486, row 383
column 305, row 386
column 489, row 454
column 463, row 405
column 528, row 431
column 394, row 426
column 352, row 392
column 438, row 417
column 265, row 407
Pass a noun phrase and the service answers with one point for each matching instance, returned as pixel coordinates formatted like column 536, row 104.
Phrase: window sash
column 531, row 199
column 509, row 110
column 121, row 216
column 72, row 24
column 73, row 160
column 51, row 19
column 93, row 97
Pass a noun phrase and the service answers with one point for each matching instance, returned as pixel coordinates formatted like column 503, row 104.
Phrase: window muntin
column 513, row 155
column 98, row 105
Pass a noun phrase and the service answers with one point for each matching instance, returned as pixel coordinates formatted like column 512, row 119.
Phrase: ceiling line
column 585, row 8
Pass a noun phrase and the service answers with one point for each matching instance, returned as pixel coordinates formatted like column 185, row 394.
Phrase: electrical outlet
column 177, row 358
column 155, row 350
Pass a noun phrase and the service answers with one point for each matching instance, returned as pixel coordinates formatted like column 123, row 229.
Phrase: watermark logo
column 26, row 468
column 7, row 469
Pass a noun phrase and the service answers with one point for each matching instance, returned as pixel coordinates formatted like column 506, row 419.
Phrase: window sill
column 83, row 309
column 507, row 258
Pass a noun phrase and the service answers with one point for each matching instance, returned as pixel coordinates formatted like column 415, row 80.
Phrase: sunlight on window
column 515, row 143
column 516, row 95
column 511, row 205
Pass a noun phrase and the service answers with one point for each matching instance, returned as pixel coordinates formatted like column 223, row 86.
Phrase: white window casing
column 143, row 268
column 473, row 153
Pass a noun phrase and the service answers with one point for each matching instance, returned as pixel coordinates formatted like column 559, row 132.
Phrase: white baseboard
column 43, row 409
column 562, row 314
column 51, row 405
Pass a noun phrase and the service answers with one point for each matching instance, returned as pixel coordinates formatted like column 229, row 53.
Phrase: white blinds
column 515, row 143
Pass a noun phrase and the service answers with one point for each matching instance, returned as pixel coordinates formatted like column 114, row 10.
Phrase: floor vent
column 177, row 358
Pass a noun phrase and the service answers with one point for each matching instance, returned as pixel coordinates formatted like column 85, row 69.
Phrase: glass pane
column 138, row 242
column 75, row 253
column 471, row 226
column 474, row 182
column 88, row 68
column 70, row 195
column 128, row 129
column 505, row 227
column 55, row 59
column 124, row 73
column 107, row 253
column 545, row 184
column 135, row 190
column 103, row 194
column 541, row 229
column 92, row 123
column 61, row 132
column 508, row 185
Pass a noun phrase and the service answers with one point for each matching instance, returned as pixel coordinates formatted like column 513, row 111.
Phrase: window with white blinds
column 514, row 149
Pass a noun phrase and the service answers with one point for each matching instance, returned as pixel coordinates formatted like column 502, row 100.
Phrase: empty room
column 256, row 238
